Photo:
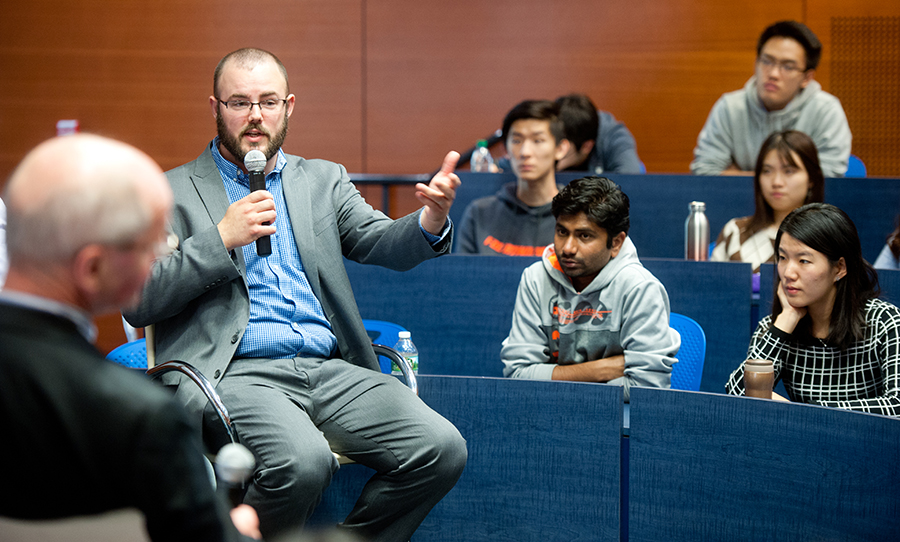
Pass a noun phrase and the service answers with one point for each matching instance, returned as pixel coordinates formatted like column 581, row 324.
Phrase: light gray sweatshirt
column 624, row 310
column 738, row 125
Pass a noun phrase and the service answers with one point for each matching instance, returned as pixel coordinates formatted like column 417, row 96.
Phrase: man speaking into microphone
column 281, row 336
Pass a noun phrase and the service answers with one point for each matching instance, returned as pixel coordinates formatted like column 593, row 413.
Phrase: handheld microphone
column 255, row 162
column 234, row 465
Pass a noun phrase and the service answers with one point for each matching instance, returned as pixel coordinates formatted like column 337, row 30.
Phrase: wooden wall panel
column 863, row 74
column 443, row 75
column 820, row 13
column 142, row 71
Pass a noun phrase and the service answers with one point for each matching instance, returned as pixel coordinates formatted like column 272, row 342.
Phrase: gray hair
column 85, row 197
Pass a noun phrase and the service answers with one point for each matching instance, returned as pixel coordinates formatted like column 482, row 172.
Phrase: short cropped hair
column 538, row 110
column 600, row 199
column 248, row 57
column 798, row 32
column 579, row 118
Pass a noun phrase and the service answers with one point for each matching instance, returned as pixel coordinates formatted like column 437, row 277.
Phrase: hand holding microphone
column 255, row 162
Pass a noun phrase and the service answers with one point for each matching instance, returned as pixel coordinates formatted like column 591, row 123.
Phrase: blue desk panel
column 543, row 464
column 717, row 296
column 872, row 204
column 543, row 460
column 659, row 205
column 458, row 308
column 714, row 467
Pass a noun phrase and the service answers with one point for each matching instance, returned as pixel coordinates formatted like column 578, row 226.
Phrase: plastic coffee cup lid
column 758, row 366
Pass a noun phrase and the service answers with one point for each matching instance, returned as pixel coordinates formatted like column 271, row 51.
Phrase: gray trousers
column 291, row 413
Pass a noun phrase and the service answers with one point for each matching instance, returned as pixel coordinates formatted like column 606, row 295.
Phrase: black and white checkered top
column 865, row 376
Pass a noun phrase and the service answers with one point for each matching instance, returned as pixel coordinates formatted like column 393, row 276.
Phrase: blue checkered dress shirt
column 286, row 319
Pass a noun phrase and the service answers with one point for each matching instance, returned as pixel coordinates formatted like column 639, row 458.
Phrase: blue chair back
column 386, row 333
column 855, row 167
column 686, row 374
column 131, row 354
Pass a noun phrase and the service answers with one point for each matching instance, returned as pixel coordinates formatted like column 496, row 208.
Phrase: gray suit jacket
column 198, row 297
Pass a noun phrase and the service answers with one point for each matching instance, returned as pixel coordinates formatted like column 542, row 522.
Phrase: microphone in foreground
column 234, row 465
column 255, row 162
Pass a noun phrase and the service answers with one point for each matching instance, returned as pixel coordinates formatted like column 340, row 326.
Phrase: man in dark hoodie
column 517, row 220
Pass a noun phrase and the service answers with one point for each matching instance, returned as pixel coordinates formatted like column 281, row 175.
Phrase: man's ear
column 214, row 106
column 617, row 243
column 291, row 99
column 562, row 149
column 807, row 78
column 587, row 147
column 88, row 269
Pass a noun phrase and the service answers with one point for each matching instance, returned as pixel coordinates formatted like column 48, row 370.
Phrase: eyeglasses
column 787, row 68
column 240, row 106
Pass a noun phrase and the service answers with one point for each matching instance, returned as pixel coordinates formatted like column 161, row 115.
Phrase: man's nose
column 255, row 112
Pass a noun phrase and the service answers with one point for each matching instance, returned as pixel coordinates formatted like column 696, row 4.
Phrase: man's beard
column 233, row 144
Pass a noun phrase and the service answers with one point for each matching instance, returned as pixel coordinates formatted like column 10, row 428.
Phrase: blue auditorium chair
column 855, row 167
column 132, row 354
column 686, row 374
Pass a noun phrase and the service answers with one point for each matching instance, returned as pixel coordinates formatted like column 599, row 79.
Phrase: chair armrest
column 205, row 386
column 403, row 363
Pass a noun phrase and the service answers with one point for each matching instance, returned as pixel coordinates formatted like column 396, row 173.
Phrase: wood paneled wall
column 385, row 86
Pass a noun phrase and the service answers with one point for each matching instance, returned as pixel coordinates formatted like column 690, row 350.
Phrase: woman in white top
column 787, row 176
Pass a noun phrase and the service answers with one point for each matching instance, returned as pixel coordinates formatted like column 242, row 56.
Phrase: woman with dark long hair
column 832, row 341
column 787, row 176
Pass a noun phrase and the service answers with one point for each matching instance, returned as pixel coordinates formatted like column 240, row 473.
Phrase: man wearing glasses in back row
column 281, row 336
column 782, row 95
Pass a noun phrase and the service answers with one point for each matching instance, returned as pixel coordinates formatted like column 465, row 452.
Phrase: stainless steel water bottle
column 696, row 233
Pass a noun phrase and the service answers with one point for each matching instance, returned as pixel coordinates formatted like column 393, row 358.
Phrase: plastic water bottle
column 696, row 233
column 481, row 158
column 407, row 349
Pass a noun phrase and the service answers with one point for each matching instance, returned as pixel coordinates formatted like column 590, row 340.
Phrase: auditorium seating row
column 659, row 204
column 548, row 461
column 459, row 308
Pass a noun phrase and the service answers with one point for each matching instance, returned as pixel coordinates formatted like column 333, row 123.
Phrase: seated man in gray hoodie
column 782, row 95
column 589, row 311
